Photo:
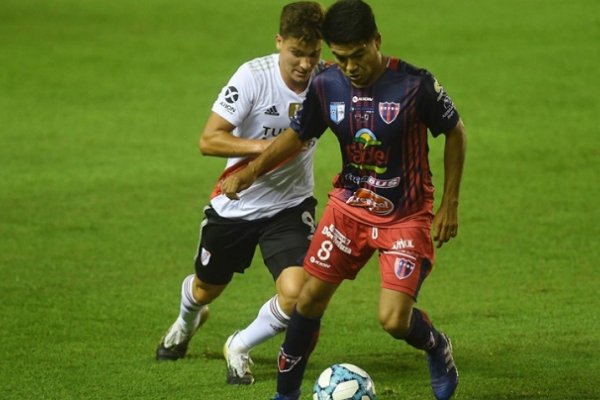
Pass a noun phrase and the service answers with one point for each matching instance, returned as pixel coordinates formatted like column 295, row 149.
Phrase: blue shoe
column 292, row 396
column 443, row 372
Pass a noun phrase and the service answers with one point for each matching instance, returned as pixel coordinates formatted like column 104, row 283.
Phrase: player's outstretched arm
column 287, row 144
column 218, row 140
column 445, row 221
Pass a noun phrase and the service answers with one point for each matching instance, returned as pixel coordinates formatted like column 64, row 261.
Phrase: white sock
column 270, row 321
column 189, row 309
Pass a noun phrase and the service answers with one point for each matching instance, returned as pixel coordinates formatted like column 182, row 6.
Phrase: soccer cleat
column 443, row 372
column 238, row 365
column 174, row 343
column 292, row 396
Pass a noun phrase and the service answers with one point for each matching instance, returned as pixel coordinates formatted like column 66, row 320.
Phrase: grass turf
column 101, row 190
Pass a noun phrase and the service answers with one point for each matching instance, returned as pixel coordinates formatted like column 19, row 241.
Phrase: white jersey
column 258, row 102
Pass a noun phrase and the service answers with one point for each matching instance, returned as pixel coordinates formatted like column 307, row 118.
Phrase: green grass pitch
column 102, row 187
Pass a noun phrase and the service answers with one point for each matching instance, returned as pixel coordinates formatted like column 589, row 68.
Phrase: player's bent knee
column 396, row 322
column 287, row 303
column 289, row 285
column 396, row 328
column 315, row 297
column 395, row 313
column 289, row 289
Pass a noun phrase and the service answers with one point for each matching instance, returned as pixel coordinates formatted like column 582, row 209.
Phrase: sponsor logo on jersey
column 337, row 238
column 356, row 99
column 272, row 111
column 388, row 111
column 228, row 107
column 364, row 153
column 372, row 181
column 448, row 106
column 231, row 94
column 447, row 103
column 366, row 137
column 319, row 262
column 364, row 198
column 403, row 244
column 269, row 132
column 337, row 111
column 403, row 268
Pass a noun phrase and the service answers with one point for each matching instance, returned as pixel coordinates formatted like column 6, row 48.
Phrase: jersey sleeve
column 308, row 120
column 236, row 98
column 436, row 108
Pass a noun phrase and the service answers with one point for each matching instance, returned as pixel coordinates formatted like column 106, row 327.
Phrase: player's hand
column 237, row 182
column 445, row 224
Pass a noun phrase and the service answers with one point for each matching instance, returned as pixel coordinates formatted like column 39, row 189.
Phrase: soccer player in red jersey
column 380, row 108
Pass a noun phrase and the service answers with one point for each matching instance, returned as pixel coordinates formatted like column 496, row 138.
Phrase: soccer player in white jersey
column 276, row 213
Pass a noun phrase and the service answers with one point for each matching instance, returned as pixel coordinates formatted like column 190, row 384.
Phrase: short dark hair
column 349, row 21
column 302, row 20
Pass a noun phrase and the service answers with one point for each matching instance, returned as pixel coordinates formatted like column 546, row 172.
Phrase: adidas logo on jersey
column 272, row 111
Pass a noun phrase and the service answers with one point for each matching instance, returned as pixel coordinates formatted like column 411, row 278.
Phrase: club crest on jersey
column 337, row 111
column 388, row 111
column 403, row 268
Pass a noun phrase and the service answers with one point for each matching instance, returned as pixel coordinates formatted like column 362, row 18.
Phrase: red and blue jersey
column 382, row 133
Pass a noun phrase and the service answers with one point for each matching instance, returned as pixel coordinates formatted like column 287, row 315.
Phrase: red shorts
column 342, row 245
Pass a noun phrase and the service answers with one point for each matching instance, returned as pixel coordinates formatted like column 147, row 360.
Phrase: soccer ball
column 344, row 382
